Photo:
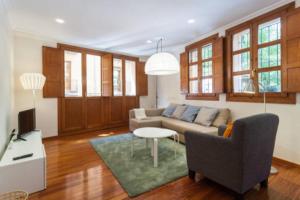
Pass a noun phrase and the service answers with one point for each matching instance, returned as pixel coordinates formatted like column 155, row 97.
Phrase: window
column 203, row 64
column 93, row 75
column 117, row 77
column 256, row 53
column 130, row 78
column 73, row 75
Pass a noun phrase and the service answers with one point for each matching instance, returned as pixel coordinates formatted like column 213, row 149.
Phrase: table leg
column 175, row 142
column 147, row 143
column 155, row 152
column 151, row 145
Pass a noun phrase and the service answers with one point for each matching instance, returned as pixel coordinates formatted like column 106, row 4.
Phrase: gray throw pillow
column 178, row 112
column 190, row 113
column 169, row 110
column 206, row 116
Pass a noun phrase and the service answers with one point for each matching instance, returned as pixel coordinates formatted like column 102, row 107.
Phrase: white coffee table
column 152, row 133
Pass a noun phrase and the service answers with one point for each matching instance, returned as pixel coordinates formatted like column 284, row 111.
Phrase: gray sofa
column 155, row 119
column 238, row 162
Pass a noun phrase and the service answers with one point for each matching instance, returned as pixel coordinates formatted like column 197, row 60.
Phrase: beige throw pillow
column 222, row 118
column 178, row 112
column 206, row 116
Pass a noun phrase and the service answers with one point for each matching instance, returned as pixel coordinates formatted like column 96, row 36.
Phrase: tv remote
column 23, row 156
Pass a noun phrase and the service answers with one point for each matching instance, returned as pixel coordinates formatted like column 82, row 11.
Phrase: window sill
column 209, row 97
column 282, row 98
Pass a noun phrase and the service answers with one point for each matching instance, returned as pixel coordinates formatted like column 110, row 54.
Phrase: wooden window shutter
column 218, row 64
column 54, row 72
column 142, row 79
column 184, row 81
column 107, row 75
column 291, row 52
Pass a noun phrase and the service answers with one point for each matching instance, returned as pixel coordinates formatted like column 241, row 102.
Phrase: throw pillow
column 140, row 113
column 206, row 116
column 190, row 113
column 178, row 112
column 169, row 110
column 228, row 131
column 222, row 118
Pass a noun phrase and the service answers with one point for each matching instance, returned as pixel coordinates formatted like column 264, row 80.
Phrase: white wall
column 28, row 58
column 288, row 138
column 6, row 68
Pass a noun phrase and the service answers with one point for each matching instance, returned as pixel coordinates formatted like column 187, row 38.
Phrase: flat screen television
column 26, row 122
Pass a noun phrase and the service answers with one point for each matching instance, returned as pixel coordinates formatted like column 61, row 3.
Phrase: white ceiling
column 125, row 25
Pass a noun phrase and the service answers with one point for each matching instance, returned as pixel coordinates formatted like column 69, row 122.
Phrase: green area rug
column 136, row 174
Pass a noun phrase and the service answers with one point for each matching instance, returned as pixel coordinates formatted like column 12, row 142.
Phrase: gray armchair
column 238, row 162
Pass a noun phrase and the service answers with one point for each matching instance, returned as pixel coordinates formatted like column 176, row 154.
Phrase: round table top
column 152, row 132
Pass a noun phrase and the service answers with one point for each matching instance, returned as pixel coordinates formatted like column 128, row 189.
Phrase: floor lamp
column 250, row 89
column 34, row 82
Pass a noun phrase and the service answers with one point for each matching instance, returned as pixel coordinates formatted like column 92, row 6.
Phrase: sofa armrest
column 149, row 112
column 221, row 130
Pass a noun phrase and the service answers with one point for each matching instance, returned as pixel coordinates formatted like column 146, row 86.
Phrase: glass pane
column 193, row 71
column 207, row 68
column 269, row 56
column 269, row 31
column 193, row 56
column 241, row 40
column 207, row 51
column 240, row 82
column 117, row 77
column 130, row 89
column 93, row 75
column 73, row 74
column 271, row 81
column 194, row 87
column 241, row 62
column 207, row 85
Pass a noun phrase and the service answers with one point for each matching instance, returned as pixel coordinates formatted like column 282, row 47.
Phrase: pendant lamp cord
column 159, row 42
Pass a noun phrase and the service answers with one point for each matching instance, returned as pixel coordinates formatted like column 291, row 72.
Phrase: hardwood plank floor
column 75, row 171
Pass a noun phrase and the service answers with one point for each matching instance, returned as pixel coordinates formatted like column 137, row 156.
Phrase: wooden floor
column 75, row 171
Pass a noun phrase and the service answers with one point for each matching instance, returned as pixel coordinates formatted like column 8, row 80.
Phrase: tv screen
column 26, row 121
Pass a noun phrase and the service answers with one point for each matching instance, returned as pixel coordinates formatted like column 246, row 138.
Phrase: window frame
column 198, row 45
column 253, row 25
column 123, row 60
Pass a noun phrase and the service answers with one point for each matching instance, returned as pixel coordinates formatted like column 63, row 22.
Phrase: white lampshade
column 162, row 63
column 32, row 81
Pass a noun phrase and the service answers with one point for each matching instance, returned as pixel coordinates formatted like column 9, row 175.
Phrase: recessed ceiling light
column 60, row 21
column 191, row 21
column 149, row 41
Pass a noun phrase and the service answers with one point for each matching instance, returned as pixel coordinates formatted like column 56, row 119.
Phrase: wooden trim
column 203, row 96
column 285, row 162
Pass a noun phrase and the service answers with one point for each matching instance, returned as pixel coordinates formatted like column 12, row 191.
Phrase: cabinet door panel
column 72, row 114
column 117, row 109
column 93, row 112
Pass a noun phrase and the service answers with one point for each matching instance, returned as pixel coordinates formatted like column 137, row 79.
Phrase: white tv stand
column 27, row 174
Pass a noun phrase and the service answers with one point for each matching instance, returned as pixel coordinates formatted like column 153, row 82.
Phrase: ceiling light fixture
column 149, row 41
column 161, row 63
column 191, row 21
column 60, row 21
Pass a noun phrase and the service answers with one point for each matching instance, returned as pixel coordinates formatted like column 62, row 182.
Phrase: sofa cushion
column 190, row 113
column 206, row 116
column 178, row 112
column 182, row 126
column 222, row 117
column 169, row 110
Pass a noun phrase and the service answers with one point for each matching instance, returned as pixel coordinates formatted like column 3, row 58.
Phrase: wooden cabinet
column 291, row 51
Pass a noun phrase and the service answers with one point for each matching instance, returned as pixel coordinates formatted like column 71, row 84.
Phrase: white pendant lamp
column 161, row 63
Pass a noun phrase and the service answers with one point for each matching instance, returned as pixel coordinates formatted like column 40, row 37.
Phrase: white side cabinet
column 27, row 174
